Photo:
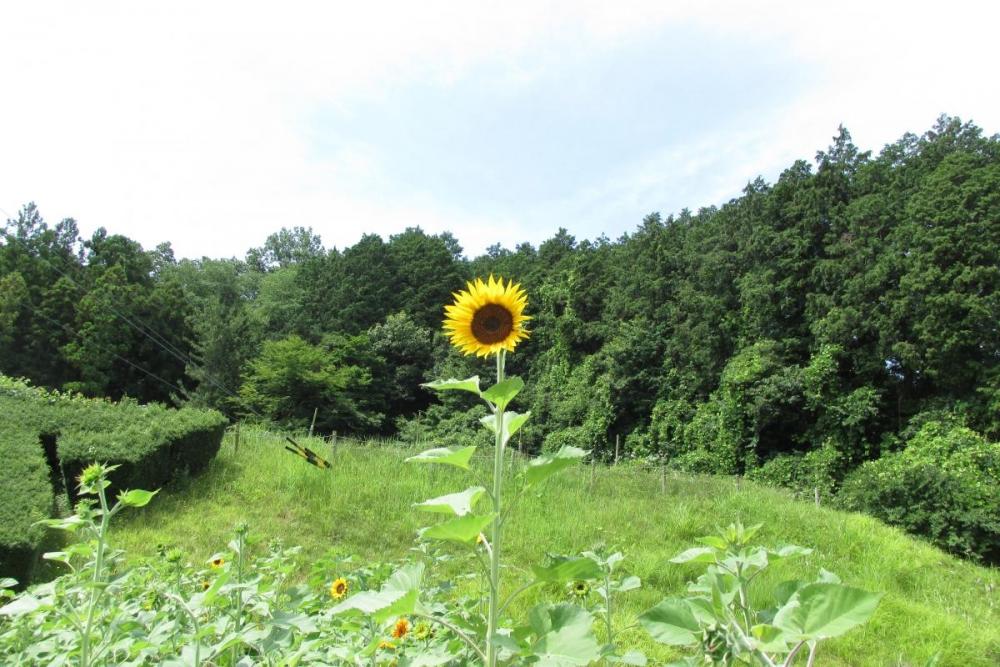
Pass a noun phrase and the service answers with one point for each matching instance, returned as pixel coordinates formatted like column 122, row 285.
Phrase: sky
column 214, row 124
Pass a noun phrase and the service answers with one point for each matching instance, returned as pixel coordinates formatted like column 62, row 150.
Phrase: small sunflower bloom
column 338, row 588
column 217, row 562
column 580, row 589
column 401, row 629
column 386, row 645
column 205, row 585
column 423, row 631
column 487, row 317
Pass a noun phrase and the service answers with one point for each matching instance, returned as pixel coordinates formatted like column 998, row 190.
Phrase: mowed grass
column 933, row 603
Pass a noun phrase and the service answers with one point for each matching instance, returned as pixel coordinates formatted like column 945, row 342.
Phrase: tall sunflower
column 487, row 318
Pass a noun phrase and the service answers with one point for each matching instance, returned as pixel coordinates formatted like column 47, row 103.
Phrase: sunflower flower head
column 217, row 562
column 338, row 588
column 423, row 631
column 401, row 629
column 487, row 317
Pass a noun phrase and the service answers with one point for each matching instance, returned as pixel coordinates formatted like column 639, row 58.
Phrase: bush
column 446, row 428
column 150, row 444
column 26, row 498
column 944, row 486
column 818, row 469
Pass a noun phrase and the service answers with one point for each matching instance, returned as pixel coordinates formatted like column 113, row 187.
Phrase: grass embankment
column 933, row 602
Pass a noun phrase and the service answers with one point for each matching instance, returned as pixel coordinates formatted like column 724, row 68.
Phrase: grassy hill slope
column 933, row 602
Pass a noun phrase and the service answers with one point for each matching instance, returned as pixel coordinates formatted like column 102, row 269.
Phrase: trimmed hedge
column 26, row 497
column 150, row 443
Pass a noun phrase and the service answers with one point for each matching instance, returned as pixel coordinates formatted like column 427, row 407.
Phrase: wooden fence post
column 313, row 424
column 617, row 438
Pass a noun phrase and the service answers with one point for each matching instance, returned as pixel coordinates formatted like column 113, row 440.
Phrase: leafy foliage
column 790, row 334
column 49, row 439
column 944, row 485
column 719, row 621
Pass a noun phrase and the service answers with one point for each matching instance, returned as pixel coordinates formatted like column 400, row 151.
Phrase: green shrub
column 944, row 486
column 443, row 427
column 149, row 443
column 804, row 474
column 26, row 497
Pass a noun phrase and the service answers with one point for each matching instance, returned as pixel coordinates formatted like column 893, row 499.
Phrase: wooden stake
column 616, row 448
column 816, row 495
column 313, row 424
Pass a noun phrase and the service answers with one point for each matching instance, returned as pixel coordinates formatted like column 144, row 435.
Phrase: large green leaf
column 568, row 568
column 504, row 392
column 823, row 610
column 784, row 591
column 459, row 504
column 636, row 658
column 695, row 555
column 369, row 602
column 671, row 622
column 770, row 638
column 713, row 541
column 471, row 385
column 398, row 595
column 545, row 466
column 463, row 529
column 136, row 497
column 448, row 456
column 512, row 423
column 789, row 551
column 565, row 636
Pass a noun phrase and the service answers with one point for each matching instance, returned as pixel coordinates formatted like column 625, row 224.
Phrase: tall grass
column 933, row 602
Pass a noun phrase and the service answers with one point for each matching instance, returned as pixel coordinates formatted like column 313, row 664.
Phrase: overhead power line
column 150, row 333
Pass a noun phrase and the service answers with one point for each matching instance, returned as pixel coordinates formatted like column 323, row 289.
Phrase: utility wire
column 146, row 330
column 76, row 334
column 304, row 452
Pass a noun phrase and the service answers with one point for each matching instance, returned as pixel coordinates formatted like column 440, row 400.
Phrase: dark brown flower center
column 492, row 324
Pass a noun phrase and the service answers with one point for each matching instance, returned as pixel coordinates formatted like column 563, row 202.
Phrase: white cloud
column 184, row 121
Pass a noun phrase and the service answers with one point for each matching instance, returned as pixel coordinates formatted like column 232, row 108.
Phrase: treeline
column 834, row 312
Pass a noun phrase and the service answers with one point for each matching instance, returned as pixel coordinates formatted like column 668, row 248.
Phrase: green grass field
column 933, row 603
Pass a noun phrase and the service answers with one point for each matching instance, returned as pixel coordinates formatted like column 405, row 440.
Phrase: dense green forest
column 847, row 313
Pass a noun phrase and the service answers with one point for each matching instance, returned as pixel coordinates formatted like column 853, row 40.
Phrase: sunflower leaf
column 471, row 385
column 512, row 423
column 459, row 504
column 502, row 393
column 446, row 455
column 463, row 529
column 543, row 467
column 564, row 634
column 568, row 568
column 671, row 622
column 397, row 596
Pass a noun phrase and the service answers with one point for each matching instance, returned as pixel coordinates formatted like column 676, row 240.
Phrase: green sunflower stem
column 498, row 461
